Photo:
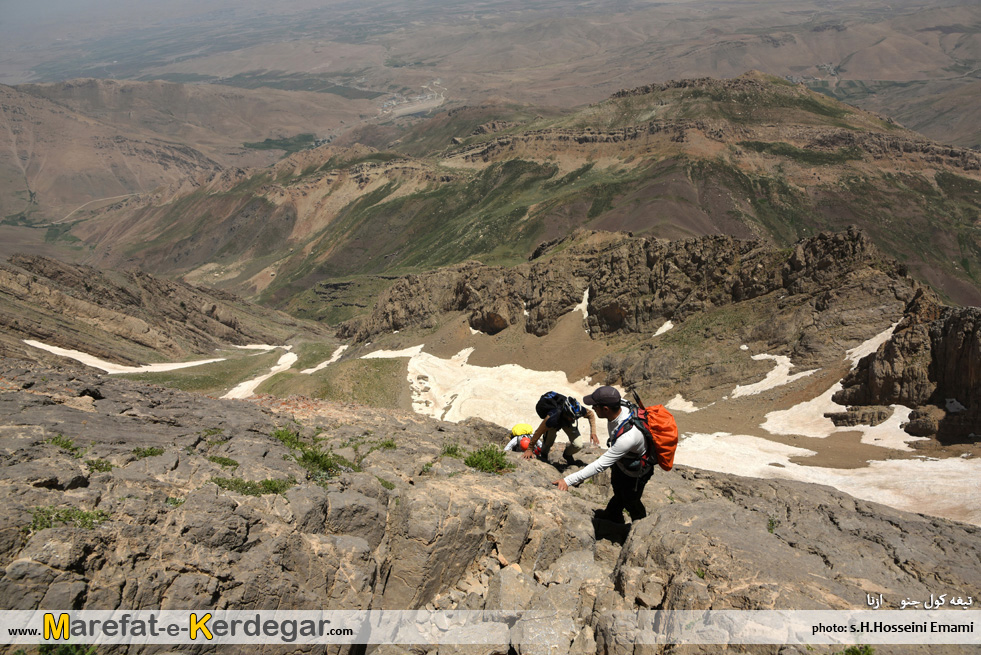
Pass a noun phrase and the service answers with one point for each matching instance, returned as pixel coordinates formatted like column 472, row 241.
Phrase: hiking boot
column 572, row 461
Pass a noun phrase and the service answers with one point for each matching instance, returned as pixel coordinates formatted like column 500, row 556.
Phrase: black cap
column 603, row 396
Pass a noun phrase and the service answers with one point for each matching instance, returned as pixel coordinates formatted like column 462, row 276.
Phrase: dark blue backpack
column 551, row 401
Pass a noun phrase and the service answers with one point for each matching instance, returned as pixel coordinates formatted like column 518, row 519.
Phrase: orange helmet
column 524, row 443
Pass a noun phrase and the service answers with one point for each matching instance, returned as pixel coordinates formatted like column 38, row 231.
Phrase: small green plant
column 173, row 501
column 223, row 461
column 152, row 451
column 860, row 649
column 772, row 524
column 427, row 468
column 700, row 573
column 489, row 459
column 98, row 465
column 453, row 450
column 388, row 444
column 385, row 483
column 289, row 438
column 215, row 435
column 253, row 488
column 66, row 445
column 46, row 517
column 318, row 461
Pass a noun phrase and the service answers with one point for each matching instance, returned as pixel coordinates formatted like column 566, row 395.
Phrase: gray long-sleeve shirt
column 630, row 442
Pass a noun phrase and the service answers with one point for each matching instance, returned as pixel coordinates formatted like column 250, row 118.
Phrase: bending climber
column 560, row 412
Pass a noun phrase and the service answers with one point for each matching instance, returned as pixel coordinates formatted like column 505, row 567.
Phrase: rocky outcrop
column 127, row 317
column 119, row 495
column 932, row 363
column 635, row 284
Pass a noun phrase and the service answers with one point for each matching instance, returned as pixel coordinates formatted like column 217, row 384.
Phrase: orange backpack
column 660, row 433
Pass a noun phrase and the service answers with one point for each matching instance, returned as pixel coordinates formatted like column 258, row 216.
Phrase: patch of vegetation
column 212, row 378
column 47, row 517
column 489, row 459
column 288, row 437
column 783, row 210
column 453, row 450
column 335, row 302
column 312, row 354
column 568, row 178
column 804, row 156
column 66, row 445
column 812, row 105
column 255, row 488
column 320, row 463
column 61, row 232
column 98, row 465
column 151, row 451
column 223, row 461
column 772, row 524
column 860, row 649
column 959, row 188
column 21, row 218
column 603, row 196
column 215, row 436
column 298, row 82
column 180, row 78
column 385, row 483
column 444, row 224
column 372, row 382
column 289, row 144
column 336, row 163
column 700, row 573
column 174, row 501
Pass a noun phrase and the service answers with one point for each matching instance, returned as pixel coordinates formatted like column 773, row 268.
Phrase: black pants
column 627, row 492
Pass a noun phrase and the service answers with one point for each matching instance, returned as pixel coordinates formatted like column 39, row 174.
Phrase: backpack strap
column 637, row 420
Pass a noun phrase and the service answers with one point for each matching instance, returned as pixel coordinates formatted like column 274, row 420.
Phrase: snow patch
column 247, row 388
column 454, row 390
column 322, row 365
column 667, row 325
column 582, row 307
column 870, row 346
column 940, row 487
column 778, row 376
column 679, row 404
column 113, row 369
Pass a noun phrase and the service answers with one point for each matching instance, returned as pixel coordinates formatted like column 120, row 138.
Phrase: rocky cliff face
column 119, row 495
column 633, row 284
column 126, row 317
column 932, row 364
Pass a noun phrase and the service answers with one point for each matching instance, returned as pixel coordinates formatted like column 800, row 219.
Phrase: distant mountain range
column 755, row 156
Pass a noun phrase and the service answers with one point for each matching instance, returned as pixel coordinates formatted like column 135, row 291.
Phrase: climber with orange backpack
column 640, row 439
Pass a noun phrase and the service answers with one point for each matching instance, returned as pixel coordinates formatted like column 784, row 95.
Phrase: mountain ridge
column 753, row 157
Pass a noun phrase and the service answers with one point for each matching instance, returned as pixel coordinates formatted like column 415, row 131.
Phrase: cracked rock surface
column 145, row 497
